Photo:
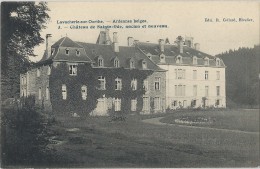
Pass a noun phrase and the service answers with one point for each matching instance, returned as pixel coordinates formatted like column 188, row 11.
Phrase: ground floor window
column 133, row 104
column 145, row 103
column 157, row 103
column 117, row 103
column 217, row 102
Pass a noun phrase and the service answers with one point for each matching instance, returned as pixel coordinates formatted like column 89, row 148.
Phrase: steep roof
column 172, row 51
column 124, row 55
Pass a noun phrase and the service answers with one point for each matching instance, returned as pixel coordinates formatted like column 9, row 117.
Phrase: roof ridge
column 62, row 40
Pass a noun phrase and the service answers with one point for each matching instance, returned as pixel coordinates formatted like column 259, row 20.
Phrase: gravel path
column 156, row 121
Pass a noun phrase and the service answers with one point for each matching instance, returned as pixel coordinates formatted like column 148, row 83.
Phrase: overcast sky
column 182, row 18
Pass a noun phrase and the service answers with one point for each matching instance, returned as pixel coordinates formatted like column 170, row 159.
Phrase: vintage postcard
column 161, row 84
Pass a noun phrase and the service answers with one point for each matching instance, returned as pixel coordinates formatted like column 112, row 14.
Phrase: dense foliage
column 242, row 81
column 86, row 75
column 20, row 30
column 24, row 134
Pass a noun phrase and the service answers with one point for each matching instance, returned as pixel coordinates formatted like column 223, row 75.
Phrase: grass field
column 98, row 142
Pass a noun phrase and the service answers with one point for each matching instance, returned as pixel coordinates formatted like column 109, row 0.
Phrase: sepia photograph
column 130, row 84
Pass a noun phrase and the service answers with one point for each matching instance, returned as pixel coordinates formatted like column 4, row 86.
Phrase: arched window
column 84, row 92
column 206, row 61
column 217, row 62
column 179, row 60
column 144, row 64
column 195, row 60
column 40, row 93
column 77, row 52
column 67, row 51
column 64, row 92
column 162, row 58
column 49, row 70
column 132, row 63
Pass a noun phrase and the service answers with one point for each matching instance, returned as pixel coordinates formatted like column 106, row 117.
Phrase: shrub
column 24, row 134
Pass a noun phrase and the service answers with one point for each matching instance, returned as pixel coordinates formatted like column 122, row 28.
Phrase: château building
column 95, row 77
column 193, row 78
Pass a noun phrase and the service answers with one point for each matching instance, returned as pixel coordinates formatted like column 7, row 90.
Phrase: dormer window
column 162, row 58
column 52, row 51
column 217, row 62
column 116, row 63
column 149, row 55
column 77, row 52
column 195, row 60
column 67, row 51
column 179, row 60
column 100, row 62
column 206, row 61
column 132, row 64
column 144, row 64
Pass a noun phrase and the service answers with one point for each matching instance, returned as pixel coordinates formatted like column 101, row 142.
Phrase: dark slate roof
column 172, row 51
column 66, row 42
column 124, row 55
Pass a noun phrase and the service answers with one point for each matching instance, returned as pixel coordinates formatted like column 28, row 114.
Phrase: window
column 118, row 85
column 133, row 104
column 173, row 104
column 67, row 51
column 52, row 51
column 73, row 70
column 195, row 61
column 157, row 105
column 77, row 52
column 84, row 92
column 218, row 90
column 146, row 85
column 40, row 93
column 134, row 84
column 180, row 90
column 132, row 64
column 179, row 60
column 206, row 91
column 145, row 103
column 180, row 73
column 49, row 70
column 38, row 72
column 218, row 75
column 102, row 83
column 206, row 75
column 217, row 102
column 64, row 92
column 217, row 62
column 100, row 62
column 206, row 61
column 117, row 104
column 162, row 58
column 157, row 83
column 47, row 93
column 116, row 63
column 194, row 90
column 144, row 64
column 194, row 74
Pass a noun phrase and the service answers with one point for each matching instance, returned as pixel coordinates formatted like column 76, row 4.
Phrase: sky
column 182, row 18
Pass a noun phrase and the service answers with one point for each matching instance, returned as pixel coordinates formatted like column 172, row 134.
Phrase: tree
column 21, row 26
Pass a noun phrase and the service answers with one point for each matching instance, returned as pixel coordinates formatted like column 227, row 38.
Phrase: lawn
column 243, row 120
column 98, row 142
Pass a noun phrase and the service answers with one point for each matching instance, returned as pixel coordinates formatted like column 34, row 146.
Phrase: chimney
column 48, row 45
column 115, row 42
column 130, row 41
column 107, row 39
column 197, row 46
column 161, row 45
column 189, row 41
column 181, row 46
